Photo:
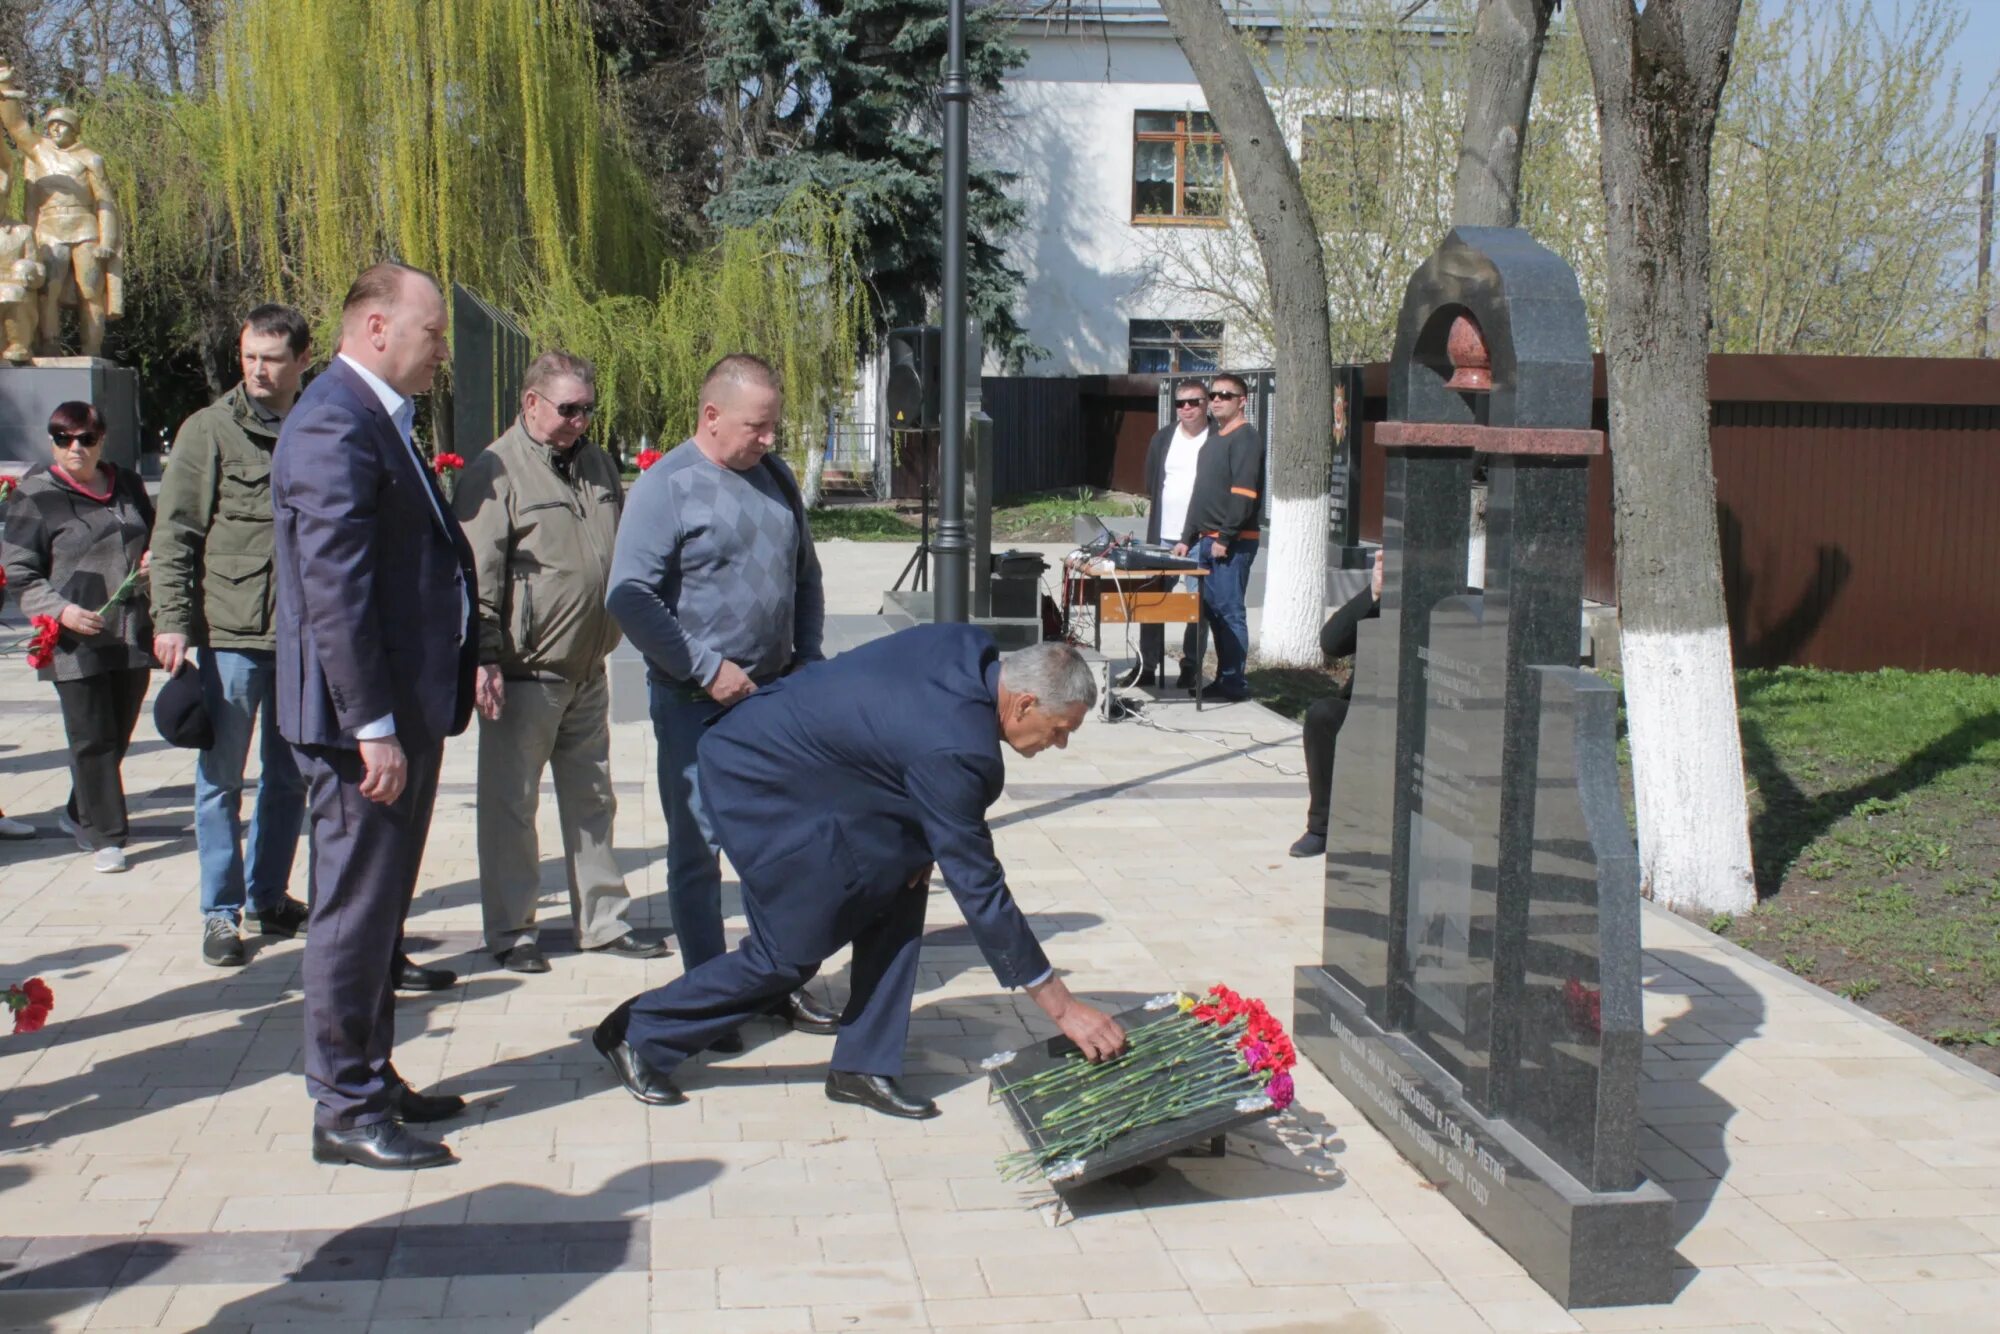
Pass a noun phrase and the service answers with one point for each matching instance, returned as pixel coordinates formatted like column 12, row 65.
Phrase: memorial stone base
column 28, row 394
column 1588, row 1248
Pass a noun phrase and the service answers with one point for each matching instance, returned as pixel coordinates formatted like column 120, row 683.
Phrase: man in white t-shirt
column 1170, row 466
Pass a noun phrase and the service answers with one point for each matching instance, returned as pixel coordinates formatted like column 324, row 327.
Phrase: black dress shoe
column 415, row 977
column 877, row 1093
column 640, row 1080
column 410, row 1105
column 384, row 1144
column 806, row 1015
column 632, row 945
column 1309, row 845
column 525, row 957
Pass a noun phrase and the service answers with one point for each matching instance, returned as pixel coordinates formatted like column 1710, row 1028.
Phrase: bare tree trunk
column 1301, row 429
column 1506, row 49
column 1659, row 76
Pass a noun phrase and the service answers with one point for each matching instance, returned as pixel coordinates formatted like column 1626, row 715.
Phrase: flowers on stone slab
column 31, row 1002
column 1584, row 1006
column 647, row 458
column 1218, row 1050
column 42, row 644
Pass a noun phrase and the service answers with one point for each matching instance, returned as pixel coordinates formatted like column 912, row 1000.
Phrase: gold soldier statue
column 21, row 275
column 74, row 219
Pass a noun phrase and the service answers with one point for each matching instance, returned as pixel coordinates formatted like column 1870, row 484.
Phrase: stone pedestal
column 28, row 394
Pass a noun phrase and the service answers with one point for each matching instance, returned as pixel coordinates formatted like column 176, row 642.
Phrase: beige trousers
column 564, row 727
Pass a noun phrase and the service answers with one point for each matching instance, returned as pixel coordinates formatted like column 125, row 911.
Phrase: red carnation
column 444, row 464
column 38, row 992
column 42, row 648
column 31, row 1018
column 647, row 458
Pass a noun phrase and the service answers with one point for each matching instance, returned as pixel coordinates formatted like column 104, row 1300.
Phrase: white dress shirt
column 403, row 413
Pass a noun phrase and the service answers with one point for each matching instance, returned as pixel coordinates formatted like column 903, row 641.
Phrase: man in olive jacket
column 540, row 507
column 213, row 590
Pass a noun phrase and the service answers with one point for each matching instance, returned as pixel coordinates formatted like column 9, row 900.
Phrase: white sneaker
column 17, row 828
column 110, row 861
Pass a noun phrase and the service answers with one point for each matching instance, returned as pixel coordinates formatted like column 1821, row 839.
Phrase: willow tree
column 478, row 140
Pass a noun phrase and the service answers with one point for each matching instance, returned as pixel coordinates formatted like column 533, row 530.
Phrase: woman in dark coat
column 75, row 533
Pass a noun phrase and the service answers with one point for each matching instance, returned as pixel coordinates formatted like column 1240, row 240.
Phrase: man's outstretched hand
column 1096, row 1034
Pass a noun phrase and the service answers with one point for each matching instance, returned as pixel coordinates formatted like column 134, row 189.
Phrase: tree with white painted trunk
column 1659, row 74
column 1300, row 431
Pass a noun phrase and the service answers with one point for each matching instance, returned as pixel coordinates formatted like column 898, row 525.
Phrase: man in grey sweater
column 715, row 579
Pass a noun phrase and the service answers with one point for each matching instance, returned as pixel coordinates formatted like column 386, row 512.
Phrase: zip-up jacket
column 212, row 547
column 1228, row 486
column 542, row 542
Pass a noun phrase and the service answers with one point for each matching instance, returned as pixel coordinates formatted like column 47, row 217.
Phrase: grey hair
column 1054, row 673
column 553, row 365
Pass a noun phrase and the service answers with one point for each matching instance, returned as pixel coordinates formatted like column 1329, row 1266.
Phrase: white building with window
column 1130, row 260
column 1108, row 134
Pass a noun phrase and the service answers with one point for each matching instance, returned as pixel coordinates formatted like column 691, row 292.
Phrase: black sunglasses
column 1187, row 403
column 569, row 412
column 1222, row 394
column 84, row 438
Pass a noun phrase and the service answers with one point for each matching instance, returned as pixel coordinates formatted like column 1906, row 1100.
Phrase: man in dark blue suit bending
column 834, row 791
column 375, row 665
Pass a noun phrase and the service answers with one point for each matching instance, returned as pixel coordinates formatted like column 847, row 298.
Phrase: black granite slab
column 1587, row 1247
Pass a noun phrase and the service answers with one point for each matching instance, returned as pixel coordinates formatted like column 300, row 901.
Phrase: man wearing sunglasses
column 1221, row 529
column 1170, row 470
column 540, row 507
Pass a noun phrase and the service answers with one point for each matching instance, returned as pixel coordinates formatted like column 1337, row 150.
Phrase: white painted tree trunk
column 1659, row 75
column 1294, row 550
column 1301, row 427
column 1694, row 816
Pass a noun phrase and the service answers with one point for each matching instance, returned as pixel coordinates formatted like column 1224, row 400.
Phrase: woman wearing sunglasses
column 76, row 532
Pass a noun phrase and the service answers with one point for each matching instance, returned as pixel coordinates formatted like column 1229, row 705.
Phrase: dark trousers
column 99, row 713
column 365, row 857
column 671, row 1023
column 1222, row 594
column 1323, row 722
column 1153, row 648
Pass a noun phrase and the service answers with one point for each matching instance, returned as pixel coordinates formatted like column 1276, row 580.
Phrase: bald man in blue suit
column 834, row 791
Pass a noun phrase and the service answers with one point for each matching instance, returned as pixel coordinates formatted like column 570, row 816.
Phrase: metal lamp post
column 952, row 552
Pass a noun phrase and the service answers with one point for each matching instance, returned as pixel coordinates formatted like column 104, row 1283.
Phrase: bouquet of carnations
column 31, row 1002
column 1221, row 1050
column 647, row 458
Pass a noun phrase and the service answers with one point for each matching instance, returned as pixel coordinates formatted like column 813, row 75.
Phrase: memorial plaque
column 1478, row 995
column 1575, row 1090
column 1454, row 856
column 1425, row 527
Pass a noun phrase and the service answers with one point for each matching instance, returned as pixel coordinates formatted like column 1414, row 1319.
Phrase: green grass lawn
column 860, row 523
column 1875, row 825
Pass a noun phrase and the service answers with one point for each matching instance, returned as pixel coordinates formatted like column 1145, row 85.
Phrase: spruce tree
column 842, row 95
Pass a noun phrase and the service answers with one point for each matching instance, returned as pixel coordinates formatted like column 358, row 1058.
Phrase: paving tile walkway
column 153, row 1140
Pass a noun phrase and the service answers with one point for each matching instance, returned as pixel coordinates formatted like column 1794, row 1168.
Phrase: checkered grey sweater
column 712, row 563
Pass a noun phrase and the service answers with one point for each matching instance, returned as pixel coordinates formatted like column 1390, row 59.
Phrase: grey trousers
column 564, row 727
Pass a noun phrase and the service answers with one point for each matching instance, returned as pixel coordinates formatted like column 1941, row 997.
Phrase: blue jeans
column 694, row 870
column 1223, row 607
column 239, row 687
